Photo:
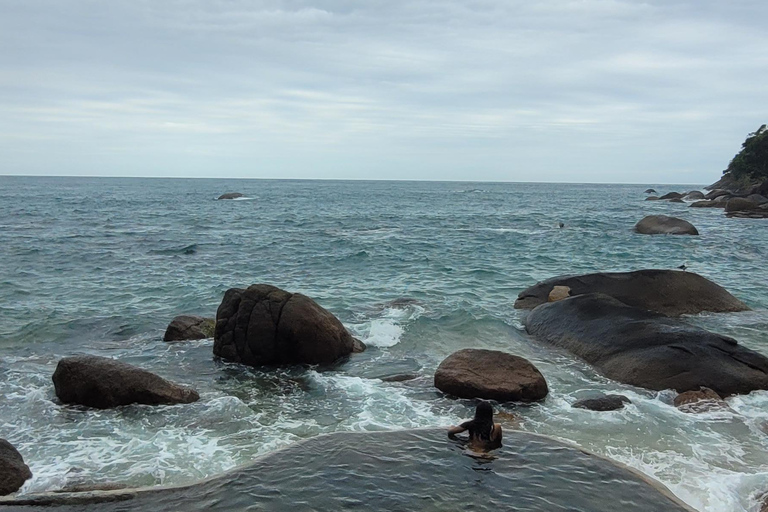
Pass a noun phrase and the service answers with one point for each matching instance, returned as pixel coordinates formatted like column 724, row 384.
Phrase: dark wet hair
column 482, row 425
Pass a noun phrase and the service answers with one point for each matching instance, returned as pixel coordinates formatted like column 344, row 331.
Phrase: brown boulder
column 189, row 327
column 490, row 374
column 664, row 225
column 13, row 471
column 669, row 292
column 104, row 383
column 264, row 325
column 702, row 400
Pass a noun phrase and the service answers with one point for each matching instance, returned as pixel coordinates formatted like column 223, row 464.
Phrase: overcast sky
column 503, row 90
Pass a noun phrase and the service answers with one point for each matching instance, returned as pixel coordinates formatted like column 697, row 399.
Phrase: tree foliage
column 752, row 161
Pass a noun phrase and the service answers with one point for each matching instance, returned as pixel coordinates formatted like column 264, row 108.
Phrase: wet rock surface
column 190, row 327
column 665, row 225
column 13, row 471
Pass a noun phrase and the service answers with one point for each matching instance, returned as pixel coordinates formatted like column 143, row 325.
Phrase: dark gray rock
column 716, row 193
column 264, row 325
column 757, row 198
column 694, row 195
column 669, row 292
column 740, row 204
column 664, row 225
column 189, row 327
column 671, row 195
column 676, row 200
column 104, row 383
column 231, row 195
column 602, row 403
column 708, row 204
column 490, row 374
column 647, row 349
column 650, row 191
column 13, row 471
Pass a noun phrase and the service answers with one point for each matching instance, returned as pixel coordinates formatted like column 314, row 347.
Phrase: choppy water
column 100, row 266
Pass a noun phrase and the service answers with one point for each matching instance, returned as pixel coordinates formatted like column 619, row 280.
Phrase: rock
column 231, row 195
column 602, row 403
column 740, row 204
column 559, row 293
column 676, row 200
column 723, row 199
column 708, row 204
column 91, row 487
column 664, row 225
column 647, row 349
column 103, row 383
column 701, row 400
column 757, row 198
column 669, row 292
column 651, row 198
column 264, row 325
column 490, row 374
column 357, row 346
column 13, row 471
column 189, row 327
column 694, row 195
column 716, row 193
column 401, row 377
column 650, row 191
column 672, row 195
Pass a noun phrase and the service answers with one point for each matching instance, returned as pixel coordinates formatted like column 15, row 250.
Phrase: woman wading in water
column 484, row 434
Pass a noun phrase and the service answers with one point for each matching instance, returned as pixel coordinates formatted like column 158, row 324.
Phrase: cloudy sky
column 505, row 90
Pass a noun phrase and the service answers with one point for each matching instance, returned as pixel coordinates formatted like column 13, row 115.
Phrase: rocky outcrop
column 189, row 327
column 13, row 471
column 231, row 195
column 701, row 400
column 490, row 374
column 647, row 349
column 664, row 225
column 264, row 325
column 669, row 292
column 104, row 383
column 746, row 208
column 602, row 403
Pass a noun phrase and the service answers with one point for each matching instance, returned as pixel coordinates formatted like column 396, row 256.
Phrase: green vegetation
column 751, row 163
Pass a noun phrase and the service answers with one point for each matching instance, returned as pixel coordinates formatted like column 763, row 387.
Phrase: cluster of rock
column 675, row 197
column 746, row 206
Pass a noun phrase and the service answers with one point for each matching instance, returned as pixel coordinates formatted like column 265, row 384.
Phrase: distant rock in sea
column 231, row 195
column 664, row 225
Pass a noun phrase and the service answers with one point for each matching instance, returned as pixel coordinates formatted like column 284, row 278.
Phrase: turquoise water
column 100, row 266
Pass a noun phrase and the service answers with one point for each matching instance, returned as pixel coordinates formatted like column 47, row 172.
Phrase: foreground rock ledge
column 13, row 471
column 669, row 292
column 490, row 374
column 389, row 470
column 646, row 349
column 190, row 327
column 104, row 383
column 264, row 325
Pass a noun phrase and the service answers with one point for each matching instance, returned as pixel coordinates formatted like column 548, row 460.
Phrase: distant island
column 747, row 173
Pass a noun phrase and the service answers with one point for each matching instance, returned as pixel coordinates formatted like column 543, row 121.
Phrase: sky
column 611, row 91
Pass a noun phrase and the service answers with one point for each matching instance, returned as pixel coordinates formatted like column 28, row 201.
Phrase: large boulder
column 13, row 471
column 669, row 292
column 647, row 349
column 740, row 204
column 664, row 225
column 231, row 195
column 490, row 374
column 190, row 327
column 104, row 383
column 264, row 325
column 694, row 195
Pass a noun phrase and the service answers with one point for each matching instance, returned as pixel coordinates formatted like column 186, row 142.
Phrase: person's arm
column 456, row 430
column 496, row 434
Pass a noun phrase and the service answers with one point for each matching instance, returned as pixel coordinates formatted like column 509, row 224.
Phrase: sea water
column 417, row 270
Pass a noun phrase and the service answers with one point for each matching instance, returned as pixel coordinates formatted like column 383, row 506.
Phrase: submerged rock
column 701, row 400
column 477, row 373
column 602, row 403
column 264, row 325
column 231, row 195
column 664, row 225
column 670, row 292
column 13, row 471
column 104, row 383
column 647, row 349
column 190, row 327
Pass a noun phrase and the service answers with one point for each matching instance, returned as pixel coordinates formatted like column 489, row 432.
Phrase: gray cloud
column 589, row 90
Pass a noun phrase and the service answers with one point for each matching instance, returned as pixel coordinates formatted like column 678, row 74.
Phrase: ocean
column 417, row 270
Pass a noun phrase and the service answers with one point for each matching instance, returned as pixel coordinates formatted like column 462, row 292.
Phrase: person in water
column 483, row 432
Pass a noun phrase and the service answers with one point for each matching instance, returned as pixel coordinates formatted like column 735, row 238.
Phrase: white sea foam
column 387, row 329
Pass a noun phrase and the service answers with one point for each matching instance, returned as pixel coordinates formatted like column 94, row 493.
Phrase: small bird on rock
column 683, row 267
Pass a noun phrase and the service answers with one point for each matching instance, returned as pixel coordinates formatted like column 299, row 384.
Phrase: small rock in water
column 231, row 195
column 602, row 403
column 190, row 327
column 562, row 225
column 13, row 471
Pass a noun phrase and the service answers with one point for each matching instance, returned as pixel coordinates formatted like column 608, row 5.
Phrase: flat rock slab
column 669, row 292
column 665, row 225
column 490, row 374
column 104, row 383
column 13, row 471
column 646, row 349
column 397, row 471
column 190, row 327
